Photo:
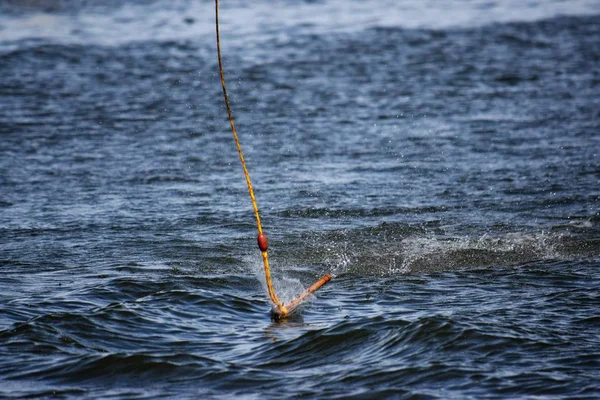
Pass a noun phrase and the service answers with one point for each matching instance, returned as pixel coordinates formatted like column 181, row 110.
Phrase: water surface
column 441, row 160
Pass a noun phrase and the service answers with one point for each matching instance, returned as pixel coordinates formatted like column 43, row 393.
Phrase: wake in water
column 390, row 249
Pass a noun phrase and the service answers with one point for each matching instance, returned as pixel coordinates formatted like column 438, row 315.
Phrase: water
column 441, row 159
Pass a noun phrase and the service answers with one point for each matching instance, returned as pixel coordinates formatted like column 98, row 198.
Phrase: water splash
column 381, row 253
column 287, row 287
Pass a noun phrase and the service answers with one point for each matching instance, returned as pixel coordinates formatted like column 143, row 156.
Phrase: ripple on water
column 439, row 162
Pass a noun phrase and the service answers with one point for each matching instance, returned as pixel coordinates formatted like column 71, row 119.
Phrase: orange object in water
column 293, row 305
column 263, row 242
column 281, row 311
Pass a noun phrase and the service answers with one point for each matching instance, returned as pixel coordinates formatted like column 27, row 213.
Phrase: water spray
column 280, row 310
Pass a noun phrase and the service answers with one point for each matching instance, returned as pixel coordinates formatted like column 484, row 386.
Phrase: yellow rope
column 265, row 256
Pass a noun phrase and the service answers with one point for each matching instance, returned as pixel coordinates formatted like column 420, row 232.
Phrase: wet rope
column 262, row 238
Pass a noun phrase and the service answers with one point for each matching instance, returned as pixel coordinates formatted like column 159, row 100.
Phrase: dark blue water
column 440, row 159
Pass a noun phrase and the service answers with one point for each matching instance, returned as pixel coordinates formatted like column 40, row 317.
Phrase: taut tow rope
column 263, row 245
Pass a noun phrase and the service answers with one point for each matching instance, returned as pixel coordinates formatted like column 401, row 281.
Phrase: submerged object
column 280, row 311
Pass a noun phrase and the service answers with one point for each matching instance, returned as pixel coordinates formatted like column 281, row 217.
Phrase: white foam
column 424, row 254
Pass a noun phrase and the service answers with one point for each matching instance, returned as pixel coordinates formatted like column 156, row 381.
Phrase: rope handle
column 262, row 241
column 262, row 238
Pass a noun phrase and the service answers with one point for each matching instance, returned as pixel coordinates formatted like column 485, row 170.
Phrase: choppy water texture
column 441, row 159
